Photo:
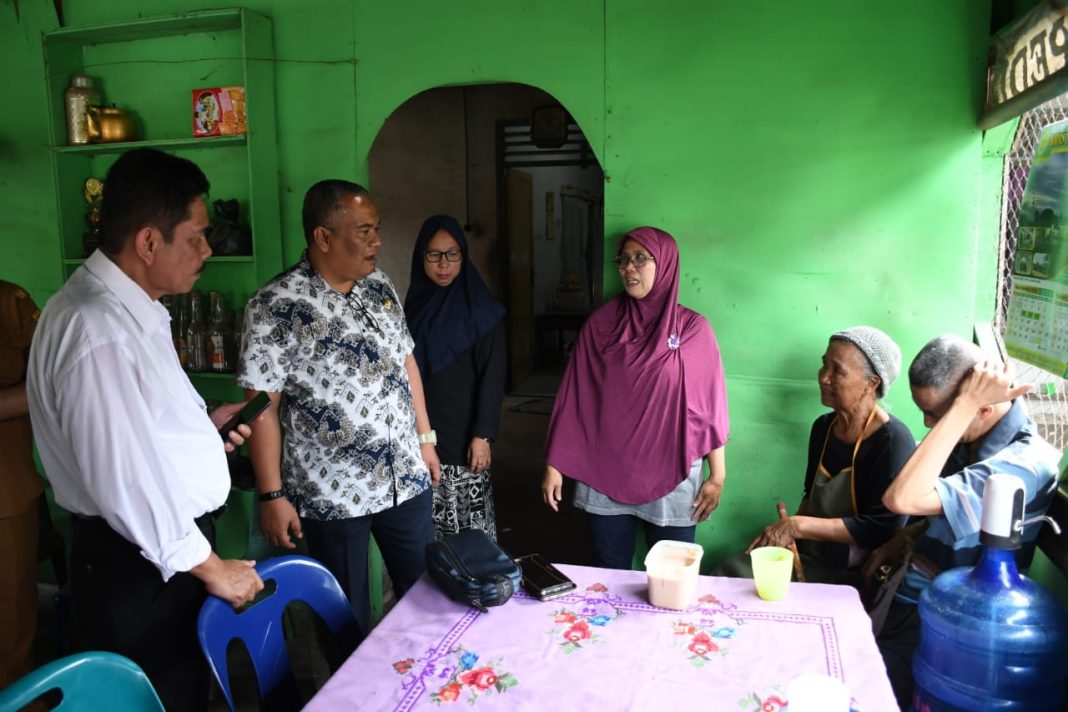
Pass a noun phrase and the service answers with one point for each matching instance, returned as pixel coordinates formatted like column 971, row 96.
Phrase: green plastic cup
column 772, row 566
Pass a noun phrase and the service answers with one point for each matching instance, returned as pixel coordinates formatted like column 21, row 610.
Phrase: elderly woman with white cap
column 853, row 453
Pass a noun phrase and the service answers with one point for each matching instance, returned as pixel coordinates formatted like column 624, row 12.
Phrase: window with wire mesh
column 1049, row 402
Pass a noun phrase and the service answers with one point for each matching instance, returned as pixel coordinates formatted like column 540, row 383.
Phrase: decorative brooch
column 673, row 341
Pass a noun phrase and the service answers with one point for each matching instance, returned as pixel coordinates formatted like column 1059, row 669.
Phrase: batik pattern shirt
column 350, row 446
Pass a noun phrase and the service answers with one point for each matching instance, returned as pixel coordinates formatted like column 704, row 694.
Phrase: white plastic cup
column 817, row 693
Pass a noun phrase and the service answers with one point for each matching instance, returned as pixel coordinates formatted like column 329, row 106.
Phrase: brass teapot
column 108, row 124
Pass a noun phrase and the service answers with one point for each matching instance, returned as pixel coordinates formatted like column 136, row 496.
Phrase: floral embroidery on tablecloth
column 768, row 702
column 467, row 676
column 702, row 639
column 776, row 700
column 579, row 625
column 710, row 605
column 705, row 636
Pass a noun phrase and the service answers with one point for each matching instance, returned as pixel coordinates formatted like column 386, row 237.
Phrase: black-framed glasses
column 365, row 315
column 436, row 255
column 639, row 260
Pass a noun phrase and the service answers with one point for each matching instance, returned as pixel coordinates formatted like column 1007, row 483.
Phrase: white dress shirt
column 120, row 429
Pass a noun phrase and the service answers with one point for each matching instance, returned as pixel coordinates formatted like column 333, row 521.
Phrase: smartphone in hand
column 246, row 415
column 542, row 579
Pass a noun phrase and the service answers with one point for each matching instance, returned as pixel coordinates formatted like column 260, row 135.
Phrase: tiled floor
column 525, row 525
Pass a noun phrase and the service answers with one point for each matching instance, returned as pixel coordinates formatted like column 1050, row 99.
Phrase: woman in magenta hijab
column 641, row 407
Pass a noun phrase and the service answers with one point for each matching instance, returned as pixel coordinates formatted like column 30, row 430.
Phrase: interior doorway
column 553, row 190
column 509, row 163
column 519, row 221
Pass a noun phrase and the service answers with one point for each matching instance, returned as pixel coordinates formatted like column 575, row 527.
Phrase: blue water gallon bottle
column 991, row 639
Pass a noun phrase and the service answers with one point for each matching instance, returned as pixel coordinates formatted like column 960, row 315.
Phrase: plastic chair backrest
column 88, row 681
column 259, row 626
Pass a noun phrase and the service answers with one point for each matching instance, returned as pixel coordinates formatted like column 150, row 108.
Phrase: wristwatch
column 430, row 438
column 489, row 440
column 269, row 496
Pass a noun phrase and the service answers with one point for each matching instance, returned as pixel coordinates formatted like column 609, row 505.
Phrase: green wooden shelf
column 145, row 28
column 153, row 64
column 212, row 375
column 76, row 261
column 232, row 258
column 102, row 149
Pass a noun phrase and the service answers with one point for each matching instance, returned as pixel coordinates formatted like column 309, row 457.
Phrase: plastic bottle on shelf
column 235, row 336
column 179, row 322
column 196, row 334
column 991, row 639
column 219, row 353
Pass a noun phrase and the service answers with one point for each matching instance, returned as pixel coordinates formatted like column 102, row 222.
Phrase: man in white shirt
column 127, row 442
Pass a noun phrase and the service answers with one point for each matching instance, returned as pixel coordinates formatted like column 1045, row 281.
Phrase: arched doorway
column 515, row 169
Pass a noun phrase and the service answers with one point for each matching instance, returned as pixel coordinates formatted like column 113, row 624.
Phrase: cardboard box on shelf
column 219, row 111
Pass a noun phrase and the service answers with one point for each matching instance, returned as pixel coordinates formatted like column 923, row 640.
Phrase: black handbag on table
column 471, row 568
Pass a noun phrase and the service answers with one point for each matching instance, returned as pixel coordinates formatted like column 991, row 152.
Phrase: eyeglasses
column 639, row 260
column 436, row 255
column 365, row 315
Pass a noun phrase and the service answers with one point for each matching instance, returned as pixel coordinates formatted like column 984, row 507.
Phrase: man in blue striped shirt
column 978, row 428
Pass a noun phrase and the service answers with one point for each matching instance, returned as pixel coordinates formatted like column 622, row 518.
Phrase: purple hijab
column 643, row 395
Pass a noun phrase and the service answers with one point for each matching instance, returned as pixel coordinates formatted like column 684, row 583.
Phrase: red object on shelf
column 219, row 111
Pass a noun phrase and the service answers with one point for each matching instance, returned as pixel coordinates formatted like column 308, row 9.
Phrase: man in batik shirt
column 327, row 340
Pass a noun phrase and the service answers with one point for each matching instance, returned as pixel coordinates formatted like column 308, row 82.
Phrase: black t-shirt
column 880, row 457
column 463, row 400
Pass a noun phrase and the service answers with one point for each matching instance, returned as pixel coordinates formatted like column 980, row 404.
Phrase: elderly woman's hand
column 781, row 533
column 884, row 560
column 707, row 499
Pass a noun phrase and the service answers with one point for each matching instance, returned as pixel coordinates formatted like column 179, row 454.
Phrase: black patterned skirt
column 464, row 500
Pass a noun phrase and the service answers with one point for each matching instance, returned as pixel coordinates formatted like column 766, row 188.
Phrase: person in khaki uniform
column 20, row 486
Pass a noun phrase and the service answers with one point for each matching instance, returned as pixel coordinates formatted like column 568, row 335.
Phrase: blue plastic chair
column 259, row 626
column 87, row 681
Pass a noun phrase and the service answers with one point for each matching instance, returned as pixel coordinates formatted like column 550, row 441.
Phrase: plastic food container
column 673, row 568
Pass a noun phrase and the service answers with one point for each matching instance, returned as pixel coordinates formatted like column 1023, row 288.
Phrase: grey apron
column 833, row 496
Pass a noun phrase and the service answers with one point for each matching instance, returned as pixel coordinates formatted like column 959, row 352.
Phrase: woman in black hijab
column 458, row 329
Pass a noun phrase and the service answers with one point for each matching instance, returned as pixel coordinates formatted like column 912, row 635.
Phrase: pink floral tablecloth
column 604, row 647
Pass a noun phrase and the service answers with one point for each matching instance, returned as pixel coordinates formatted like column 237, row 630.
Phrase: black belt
column 215, row 514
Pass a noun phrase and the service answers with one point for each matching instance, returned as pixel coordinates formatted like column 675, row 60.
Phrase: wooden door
column 520, row 224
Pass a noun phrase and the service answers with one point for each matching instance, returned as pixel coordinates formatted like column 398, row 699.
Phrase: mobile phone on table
column 247, row 414
column 542, row 579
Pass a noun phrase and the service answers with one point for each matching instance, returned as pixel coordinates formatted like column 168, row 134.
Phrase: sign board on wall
column 1028, row 63
column 1036, row 329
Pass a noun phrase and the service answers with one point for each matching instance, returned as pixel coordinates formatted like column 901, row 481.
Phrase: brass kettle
column 108, row 124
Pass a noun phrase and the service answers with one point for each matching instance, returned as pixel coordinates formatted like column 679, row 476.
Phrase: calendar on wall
column 1036, row 327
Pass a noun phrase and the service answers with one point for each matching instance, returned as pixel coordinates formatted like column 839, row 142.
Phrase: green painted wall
column 818, row 162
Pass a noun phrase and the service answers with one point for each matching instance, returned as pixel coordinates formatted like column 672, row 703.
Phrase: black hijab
column 446, row 321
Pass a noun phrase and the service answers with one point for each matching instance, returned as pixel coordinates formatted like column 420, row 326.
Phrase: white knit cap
column 880, row 350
